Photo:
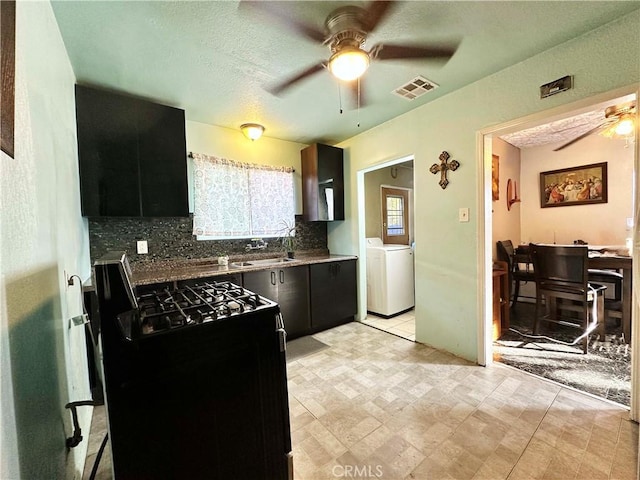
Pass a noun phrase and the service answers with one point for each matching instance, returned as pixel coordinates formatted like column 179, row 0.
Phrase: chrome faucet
column 256, row 244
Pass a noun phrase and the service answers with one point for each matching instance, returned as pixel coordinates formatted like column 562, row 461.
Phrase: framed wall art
column 582, row 185
column 495, row 177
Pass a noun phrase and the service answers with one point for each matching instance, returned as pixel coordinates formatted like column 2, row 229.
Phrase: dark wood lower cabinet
column 333, row 293
column 290, row 288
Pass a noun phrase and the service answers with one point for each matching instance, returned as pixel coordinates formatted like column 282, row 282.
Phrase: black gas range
column 194, row 379
column 166, row 309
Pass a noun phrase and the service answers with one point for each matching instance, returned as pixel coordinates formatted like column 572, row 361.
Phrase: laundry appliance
column 390, row 278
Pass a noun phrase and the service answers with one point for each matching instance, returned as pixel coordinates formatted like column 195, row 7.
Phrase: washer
column 390, row 278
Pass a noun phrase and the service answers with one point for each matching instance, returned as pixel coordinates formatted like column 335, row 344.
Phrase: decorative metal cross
column 443, row 168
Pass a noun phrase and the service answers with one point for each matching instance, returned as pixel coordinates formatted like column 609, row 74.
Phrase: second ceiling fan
column 619, row 122
column 345, row 33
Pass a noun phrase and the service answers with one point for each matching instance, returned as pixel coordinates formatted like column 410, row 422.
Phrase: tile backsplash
column 171, row 238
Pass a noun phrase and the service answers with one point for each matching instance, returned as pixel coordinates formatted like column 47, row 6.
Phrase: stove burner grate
column 189, row 305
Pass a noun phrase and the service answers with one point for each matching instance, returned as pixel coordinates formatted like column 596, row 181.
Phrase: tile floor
column 403, row 325
column 374, row 405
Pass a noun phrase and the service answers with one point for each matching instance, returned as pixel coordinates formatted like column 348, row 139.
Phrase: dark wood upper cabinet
column 322, row 183
column 132, row 156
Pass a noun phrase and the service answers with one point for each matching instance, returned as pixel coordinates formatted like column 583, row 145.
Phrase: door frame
column 485, row 227
column 362, row 241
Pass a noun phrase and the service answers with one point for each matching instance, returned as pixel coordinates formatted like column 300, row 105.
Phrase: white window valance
column 238, row 200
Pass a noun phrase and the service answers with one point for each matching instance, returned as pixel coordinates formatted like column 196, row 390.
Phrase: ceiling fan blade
column 378, row 10
column 282, row 86
column 358, row 92
column 580, row 137
column 384, row 51
column 281, row 12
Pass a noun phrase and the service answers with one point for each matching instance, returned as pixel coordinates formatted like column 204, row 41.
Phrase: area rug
column 303, row 346
column 605, row 371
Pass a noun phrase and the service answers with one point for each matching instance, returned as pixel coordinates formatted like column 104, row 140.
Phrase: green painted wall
column 44, row 240
column 447, row 258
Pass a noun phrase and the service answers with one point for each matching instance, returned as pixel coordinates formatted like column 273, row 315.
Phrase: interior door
column 395, row 215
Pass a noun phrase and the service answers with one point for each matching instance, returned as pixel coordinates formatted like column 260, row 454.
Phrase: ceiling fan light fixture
column 349, row 63
column 625, row 126
column 253, row 131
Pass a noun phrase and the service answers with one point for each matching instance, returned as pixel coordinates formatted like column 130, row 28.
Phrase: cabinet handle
column 273, row 278
column 281, row 276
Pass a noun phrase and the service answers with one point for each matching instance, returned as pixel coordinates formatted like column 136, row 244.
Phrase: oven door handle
column 281, row 332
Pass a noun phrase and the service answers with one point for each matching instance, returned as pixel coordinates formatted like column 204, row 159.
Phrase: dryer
column 390, row 278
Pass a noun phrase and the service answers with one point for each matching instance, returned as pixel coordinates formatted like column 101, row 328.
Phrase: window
column 395, row 215
column 240, row 200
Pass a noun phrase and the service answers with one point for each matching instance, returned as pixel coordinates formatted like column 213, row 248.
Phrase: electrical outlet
column 463, row 214
column 143, row 247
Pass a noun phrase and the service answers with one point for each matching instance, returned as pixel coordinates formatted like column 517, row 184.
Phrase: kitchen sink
column 272, row 261
column 263, row 263
column 241, row 264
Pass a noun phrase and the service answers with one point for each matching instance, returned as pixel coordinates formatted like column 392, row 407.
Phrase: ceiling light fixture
column 253, row 131
column 624, row 128
column 625, row 125
column 349, row 63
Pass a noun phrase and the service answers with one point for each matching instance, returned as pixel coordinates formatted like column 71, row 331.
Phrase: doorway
column 385, row 215
column 527, row 227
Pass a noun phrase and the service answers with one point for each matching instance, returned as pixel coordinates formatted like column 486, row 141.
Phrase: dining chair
column 613, row 281
column 506, row 253
column 562, row 284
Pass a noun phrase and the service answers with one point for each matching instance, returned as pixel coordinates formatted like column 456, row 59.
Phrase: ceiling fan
column 619, row 122
column 345, row 32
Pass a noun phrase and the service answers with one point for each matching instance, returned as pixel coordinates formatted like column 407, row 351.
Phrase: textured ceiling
column 215, row 60
column 563, row 130
column 560, row 131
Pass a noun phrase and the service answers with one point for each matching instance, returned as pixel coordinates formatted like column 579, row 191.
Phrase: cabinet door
column 163, row 160
column 345, row 285
column 293, row 297
column 333, row 293
column 322, row 183
column 262, row 282
column 107, row 153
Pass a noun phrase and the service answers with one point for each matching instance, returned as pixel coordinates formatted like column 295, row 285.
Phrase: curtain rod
column 190, row 155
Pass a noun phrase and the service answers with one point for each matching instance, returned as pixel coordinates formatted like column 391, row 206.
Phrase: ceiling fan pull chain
column 358, row 102
column 339, row 97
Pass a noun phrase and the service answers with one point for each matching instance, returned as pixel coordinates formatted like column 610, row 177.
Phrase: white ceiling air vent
column 415, row 88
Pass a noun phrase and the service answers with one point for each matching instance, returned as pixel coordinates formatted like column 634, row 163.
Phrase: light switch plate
column 463, row 214
column 142, row 247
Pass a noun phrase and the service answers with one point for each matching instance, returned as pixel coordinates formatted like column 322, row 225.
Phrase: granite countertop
column 172, row 270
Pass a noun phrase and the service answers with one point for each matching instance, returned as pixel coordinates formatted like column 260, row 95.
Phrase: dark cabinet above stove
column 322, row 183
column 132, row 156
